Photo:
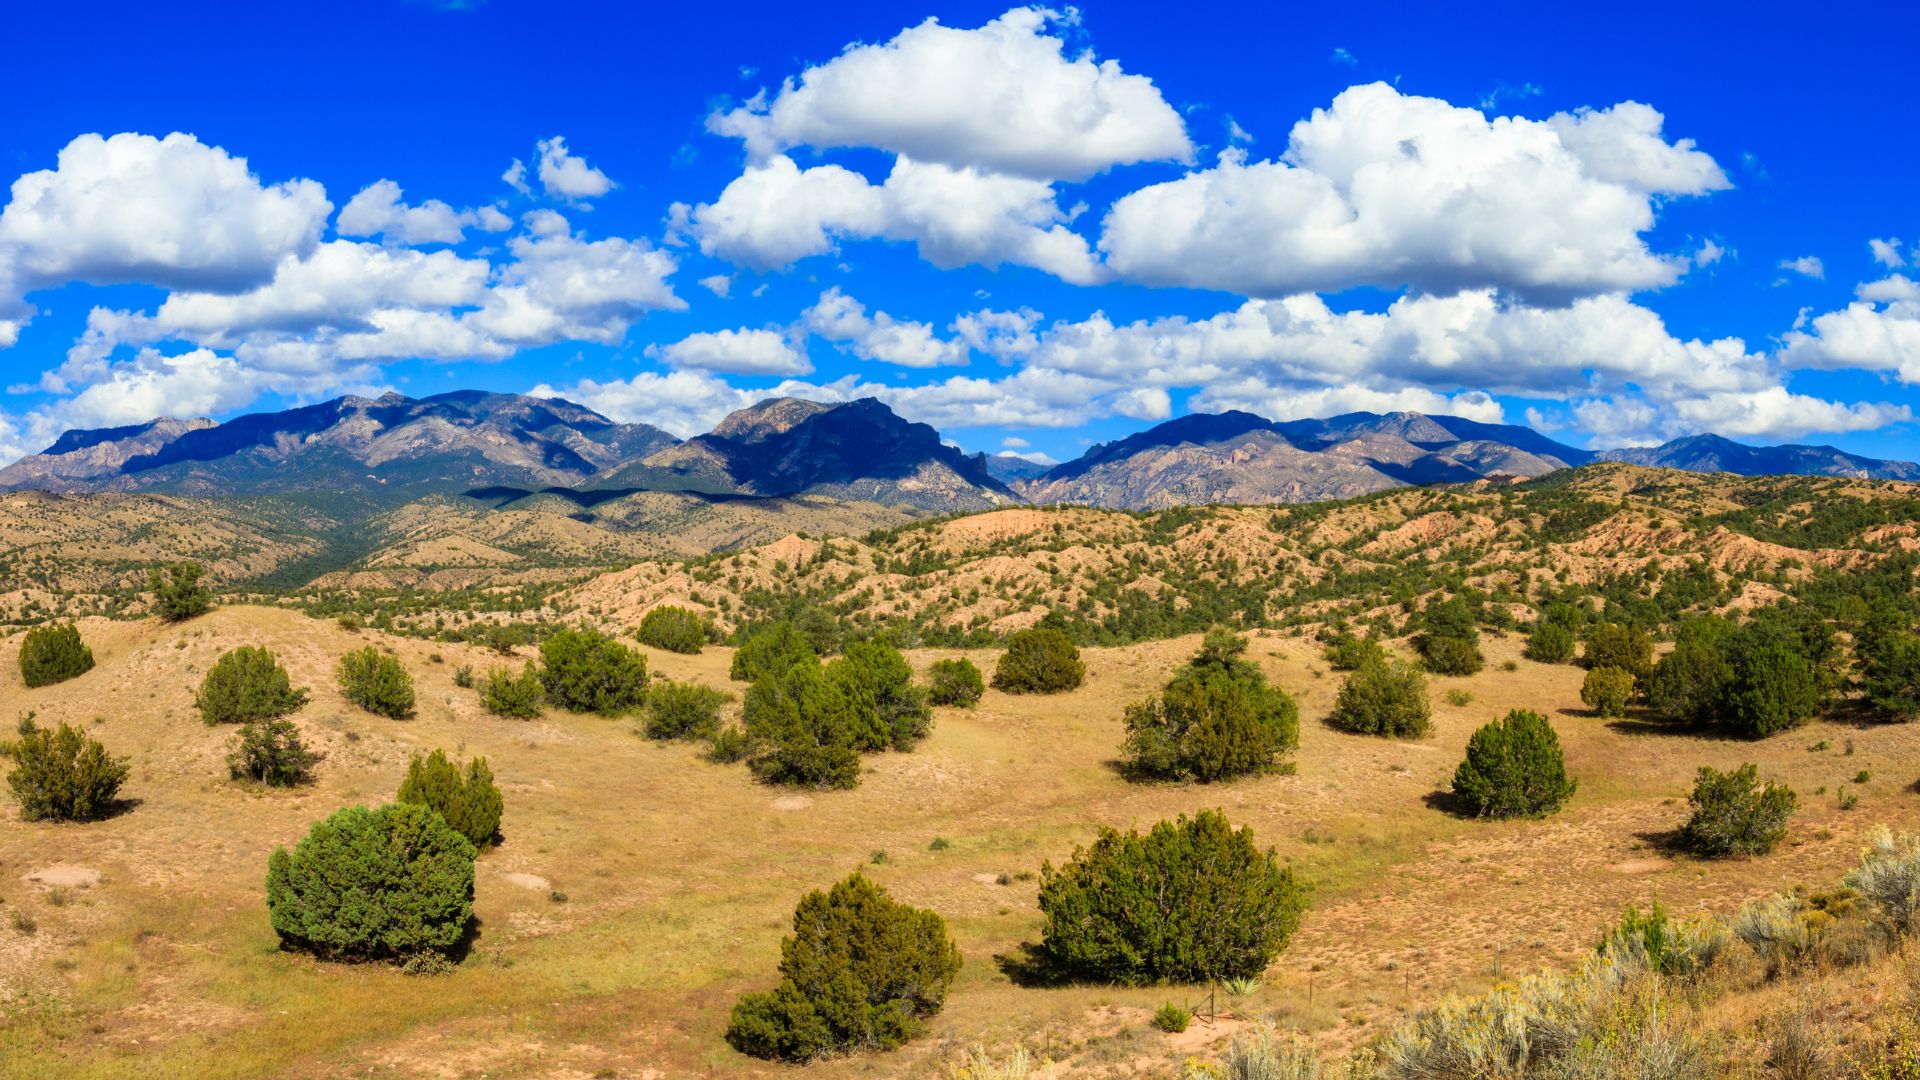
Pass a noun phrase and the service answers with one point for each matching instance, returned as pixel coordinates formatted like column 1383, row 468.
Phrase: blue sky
column 1017, row 225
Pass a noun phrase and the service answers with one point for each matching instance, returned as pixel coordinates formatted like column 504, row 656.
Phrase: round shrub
column 1774, row 687
column 376, row 682
column 1193, row 900
column 1688, row 685
column 385, row 884
column 770, row 651
column 247, row 684
column 675, row 629
column 178, row 594
column 1451, row 655
column 51, row 654
column 1735, row 814
column 955, row 682
column 1217, row 719
column 1607, row 690
column 861, row 971
column 471, row 804
column 683, row 710
column 878, row 683
column 1350, row 653
column 1549, row 643
column 59, row 774
column 1890, row 674
column 587, row 671
column 1172, row 1018
column 1616, row 645
column 804, row 729
column 271, row 752
column 518, row 697
column 1514, row 768
column 1039, row 660
column 1384, row 699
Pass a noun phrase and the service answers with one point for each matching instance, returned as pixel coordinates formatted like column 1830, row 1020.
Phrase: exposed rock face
column 1711, row 453
column 858, row 450
column 395, row 445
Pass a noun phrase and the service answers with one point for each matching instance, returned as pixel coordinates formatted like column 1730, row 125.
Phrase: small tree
column 1217, row 718
column 1039, row 660
column 1607, row 690
column 1349, row 652
column 1384, row 699
column 675, row 629
column 955, row 682
column 271, row 752
column 878, row 684
column 861, row 971
column 1735, row 814
column 386, row 884
column 376, row 682
column 1514, row 768
column 1449, row 641
column 1890, row 674
column 1617, row 645
column 516, row 696
column 1192, row 901
column 770, row 652
column 1549, row 643
column 51, row 654
column 1688, row 685
column 59, row 774
column 803, row 729
column 247, row 684
column 587, row 671
column 471, row 804
column 683, row 710
column 178, row 594
column 1774, row 687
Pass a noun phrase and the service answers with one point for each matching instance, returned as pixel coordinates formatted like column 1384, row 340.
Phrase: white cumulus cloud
column 841, row 319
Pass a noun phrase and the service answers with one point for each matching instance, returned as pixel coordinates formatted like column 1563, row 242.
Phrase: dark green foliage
column 1217, row 718
column 1192, row 901
column 516, row 696
column 1890, row 674
column 1619, row 646
column 683, row 710
column 955, row 682
column 1735, row 814
column 1774, row 687
column 1449, row 641
column 1039, row 660
column 861, row 971
column 675, row 629
column 471, row 804
column 730, row 744
column 1607, row 690
column 1514, row 768
column 271, row 752
column 247, row 684
column 376, row 682
column 385, row 884
column 770, row 653
column 1348, row 652
column 878, row 684
column 51, row 654
column 587, row 671
column 59, row 774
column 1172, row 1019
column 1688, row 684
column 804, row 729
column 1549, row 643
column 178, row 594
column 1384, row 699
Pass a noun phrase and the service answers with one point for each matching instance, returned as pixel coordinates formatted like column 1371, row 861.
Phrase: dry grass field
column 639, row 888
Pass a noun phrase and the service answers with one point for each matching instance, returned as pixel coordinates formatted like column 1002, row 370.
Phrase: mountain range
column 501, row 447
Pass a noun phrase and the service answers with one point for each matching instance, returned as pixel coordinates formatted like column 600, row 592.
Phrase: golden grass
column 680, row 875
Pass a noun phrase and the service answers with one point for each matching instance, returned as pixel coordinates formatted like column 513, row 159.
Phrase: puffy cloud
column 743, row 352
column 718, row 284
column 196, row 383
column 1886, row 252
column 1004, row 335
column 1865, row 334
column 171, row 212
column 565, row 176
column 1772, row 413
column 380, row 211
column 1002, row 98
column 1300, row 403
column 776, row 213
column 1393, row 190
column 841, row 319
column 1806, row 266
column 686, row 403
column 560, row 287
